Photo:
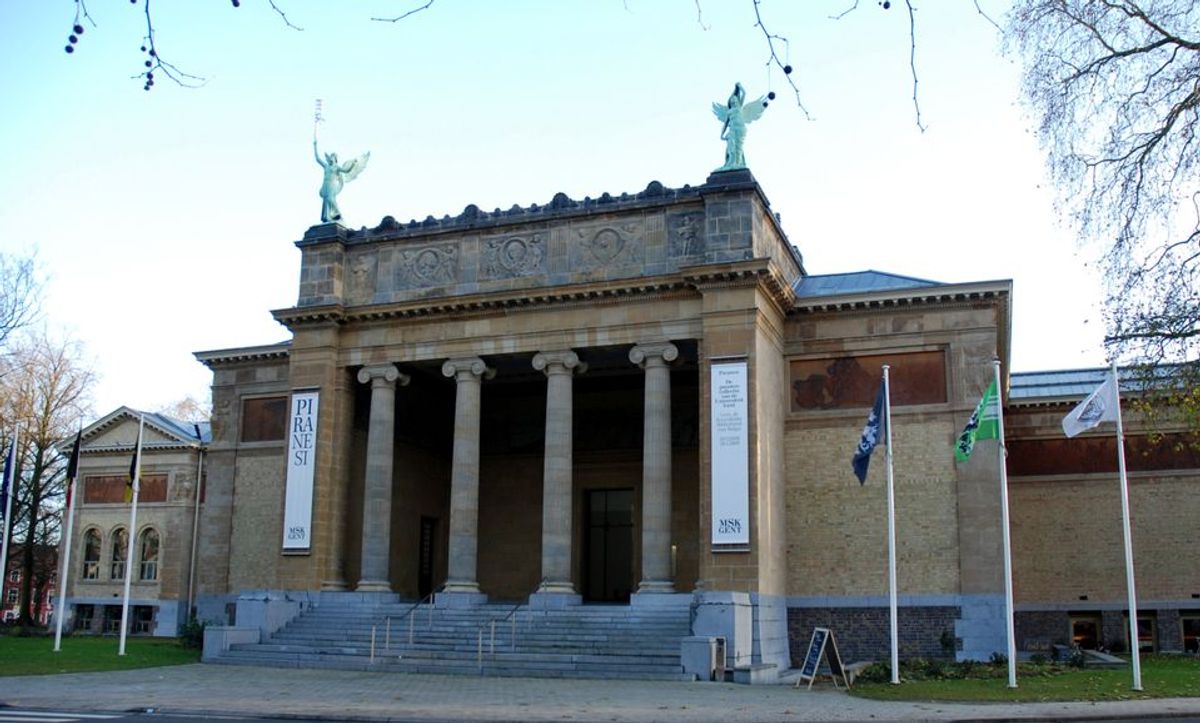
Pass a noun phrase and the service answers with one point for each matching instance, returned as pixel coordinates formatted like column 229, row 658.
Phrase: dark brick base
column 864, row 633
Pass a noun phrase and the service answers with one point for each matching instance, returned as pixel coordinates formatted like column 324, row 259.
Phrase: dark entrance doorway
column 608, row 545
column 425, row 559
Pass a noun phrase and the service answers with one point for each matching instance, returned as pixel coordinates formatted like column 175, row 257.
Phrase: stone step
column 507, row 664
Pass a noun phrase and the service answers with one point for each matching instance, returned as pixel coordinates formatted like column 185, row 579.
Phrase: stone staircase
column 587, row 641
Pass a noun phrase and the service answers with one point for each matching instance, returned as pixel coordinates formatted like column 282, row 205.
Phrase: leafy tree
column 1115, row 86
column 44, row 390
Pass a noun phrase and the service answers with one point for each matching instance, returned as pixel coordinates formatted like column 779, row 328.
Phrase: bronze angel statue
column 336, row 176
column 735, row 115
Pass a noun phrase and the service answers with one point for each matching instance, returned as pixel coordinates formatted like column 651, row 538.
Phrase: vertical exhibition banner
column 302, row 452
column 730, row 450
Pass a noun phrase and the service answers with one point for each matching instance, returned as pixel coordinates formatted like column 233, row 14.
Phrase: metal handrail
column 410, row 614
column 509, row 617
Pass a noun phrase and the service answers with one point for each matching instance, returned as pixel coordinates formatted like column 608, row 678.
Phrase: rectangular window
column 1147, row 633
column 112, row 618
column 264, row 419
column 149, row 570
column 1191, row 632
column 117, row 572
column 15, row 576
column 12, row 597
column 853, row 381
column 91, row 570
column 143, row 619
column 1085, row 631
column 84, row 615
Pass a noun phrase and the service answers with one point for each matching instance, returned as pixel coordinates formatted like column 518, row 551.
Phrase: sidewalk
column 342, row 695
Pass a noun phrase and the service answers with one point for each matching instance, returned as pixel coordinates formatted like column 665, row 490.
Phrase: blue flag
column 870, row 437
column 10, row 470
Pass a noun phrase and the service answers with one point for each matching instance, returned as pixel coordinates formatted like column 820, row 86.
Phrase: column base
column 656, row 587
column 459, row 599
column 373, row 586
column 660, row 600
column 544, row 600
column 469, row 586
column 334, row 586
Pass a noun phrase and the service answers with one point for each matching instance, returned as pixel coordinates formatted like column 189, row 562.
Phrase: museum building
column 645, row 401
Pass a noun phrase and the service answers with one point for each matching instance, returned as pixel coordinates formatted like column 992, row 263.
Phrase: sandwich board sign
column 822, row 646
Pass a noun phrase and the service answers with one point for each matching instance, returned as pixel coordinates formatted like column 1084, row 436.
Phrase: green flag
column 983, row 424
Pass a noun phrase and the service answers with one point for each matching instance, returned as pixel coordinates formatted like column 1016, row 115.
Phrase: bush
column 191, row 634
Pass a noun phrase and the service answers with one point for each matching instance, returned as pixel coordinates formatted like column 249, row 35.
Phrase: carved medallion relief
column 429, row 266
column 508, row 257
column 608, row 246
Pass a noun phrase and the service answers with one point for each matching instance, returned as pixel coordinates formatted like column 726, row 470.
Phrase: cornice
column 917, row 296
column 219, row 357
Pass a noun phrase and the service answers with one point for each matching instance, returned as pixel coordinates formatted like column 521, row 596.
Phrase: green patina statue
column 735, row 115
column 336, row 176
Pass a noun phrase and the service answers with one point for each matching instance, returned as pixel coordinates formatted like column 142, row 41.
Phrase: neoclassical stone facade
column 638, row 400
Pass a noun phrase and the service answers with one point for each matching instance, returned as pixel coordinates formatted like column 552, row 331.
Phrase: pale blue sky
column 167, row 219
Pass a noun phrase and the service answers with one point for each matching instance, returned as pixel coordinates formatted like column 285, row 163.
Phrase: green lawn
column 36, row 656
column 1162, row 677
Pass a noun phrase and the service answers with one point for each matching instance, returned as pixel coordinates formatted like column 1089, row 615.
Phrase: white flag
column 1100, row 406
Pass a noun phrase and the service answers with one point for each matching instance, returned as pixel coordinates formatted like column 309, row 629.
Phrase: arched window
column 91, row 555
column 149, row 555
column 120, row 549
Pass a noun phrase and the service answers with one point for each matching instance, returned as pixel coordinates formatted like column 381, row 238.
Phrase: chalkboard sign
column 822, row 645
column 816, row 646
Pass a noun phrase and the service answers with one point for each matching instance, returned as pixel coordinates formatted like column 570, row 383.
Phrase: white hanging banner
column 730, row 454
column 302, row 452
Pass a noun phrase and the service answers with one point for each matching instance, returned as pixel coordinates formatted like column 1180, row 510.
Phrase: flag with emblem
column 870, row 438
column 1100, row 406
column 983, row 424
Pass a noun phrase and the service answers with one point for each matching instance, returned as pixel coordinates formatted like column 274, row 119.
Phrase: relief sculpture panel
column 686, row 234
column 428, row 266
column 360, row 287
column 507, row 257
column 616, row 245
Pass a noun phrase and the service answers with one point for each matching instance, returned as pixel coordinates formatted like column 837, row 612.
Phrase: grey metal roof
column 1078, row 383
column 1062, row 383
column 856, row 282
column 186, row 430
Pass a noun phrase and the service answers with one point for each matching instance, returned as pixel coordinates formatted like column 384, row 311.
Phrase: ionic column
column 559, row 367
column 377, row 491
column 464, row 476
column 656, row 466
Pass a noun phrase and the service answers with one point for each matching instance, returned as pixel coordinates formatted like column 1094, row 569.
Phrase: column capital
column 472, row 365
column 558, row 362
column 653, row 353
column 382, row 373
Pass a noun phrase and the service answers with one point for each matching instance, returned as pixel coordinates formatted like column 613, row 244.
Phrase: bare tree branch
column 283, row 15
column 912, row 60
column 700, row 17
column 410, row 12
column 774, row 57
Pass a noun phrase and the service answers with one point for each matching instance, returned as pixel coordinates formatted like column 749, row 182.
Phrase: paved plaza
column 340, row 695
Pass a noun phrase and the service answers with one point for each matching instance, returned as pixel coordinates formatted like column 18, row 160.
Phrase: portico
column 515, row 406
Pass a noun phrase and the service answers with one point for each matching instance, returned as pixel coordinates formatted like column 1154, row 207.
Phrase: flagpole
column 1005, row 534
column 1129, row 584
column 61, row 611
column 891, row 511
column 131, row 538
column 11, row 483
